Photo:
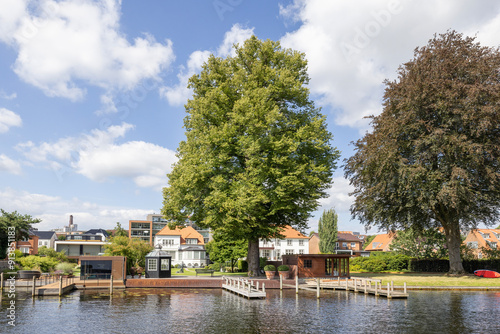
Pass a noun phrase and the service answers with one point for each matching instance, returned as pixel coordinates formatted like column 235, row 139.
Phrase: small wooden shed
column 158, row 264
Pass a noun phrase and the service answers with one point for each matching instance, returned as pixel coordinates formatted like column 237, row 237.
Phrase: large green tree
column 134, row 249
column 257, row 154
column 433, row 157
column 225, row 248
column 16, row 225
column 327, row 230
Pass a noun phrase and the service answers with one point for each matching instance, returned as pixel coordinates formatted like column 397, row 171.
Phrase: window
column 301, row 242
column 152, row 265
column 77, row 237
column 266, row 253
column 472, row 244
column 165, row 264
column 289, row 252
column 344, row 245
column 167, row 242
column 289, row 242
column 308, row 264
column 25, row 250
column 336, row 245
column 301, row 251
column 353, row 245
column 191, row 241
column 278, row 254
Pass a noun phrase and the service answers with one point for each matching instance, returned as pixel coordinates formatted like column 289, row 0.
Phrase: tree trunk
column 253, row 258
column 453, row 240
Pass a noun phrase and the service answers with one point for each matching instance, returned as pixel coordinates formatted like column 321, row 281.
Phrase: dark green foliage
column 269, row 267
column 262, row 262
column 327, row 230
column 420, row 244
column 442, row 266
column 215, row 266
column 283, row 268
column 380, row 261
column 432, row 159
column 257, row 154
column 243, row 265
column 18, row 224
column 51, row 252
column 223, row 248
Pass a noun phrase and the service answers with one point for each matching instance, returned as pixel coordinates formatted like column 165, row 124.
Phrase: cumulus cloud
column 353, row 46
column 179, row 94
column 99, row 157
column 8, row 119
column 54, row 212
column 8, row 165
column 64, row 44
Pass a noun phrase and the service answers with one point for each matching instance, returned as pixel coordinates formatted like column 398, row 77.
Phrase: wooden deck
column 244, row 287
column 361, row 285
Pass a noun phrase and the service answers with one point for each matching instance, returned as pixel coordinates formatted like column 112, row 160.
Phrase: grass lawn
column 192, row 272
column 430, row 279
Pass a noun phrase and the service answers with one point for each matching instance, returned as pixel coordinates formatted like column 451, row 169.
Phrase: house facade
column 480, row 239
column 90, row 243
column 185, row 245
column 293, row 242
column 46, row 238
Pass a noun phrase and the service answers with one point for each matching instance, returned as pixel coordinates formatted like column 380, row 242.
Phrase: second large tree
column 257, row 154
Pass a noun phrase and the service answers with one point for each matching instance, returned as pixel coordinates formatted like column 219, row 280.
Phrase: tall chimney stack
column 70, row 220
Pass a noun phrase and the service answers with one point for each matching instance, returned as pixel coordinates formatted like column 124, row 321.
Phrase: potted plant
column 283, row 271
column 270, row 271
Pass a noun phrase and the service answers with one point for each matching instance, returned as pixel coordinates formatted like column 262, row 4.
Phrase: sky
column 92, row 93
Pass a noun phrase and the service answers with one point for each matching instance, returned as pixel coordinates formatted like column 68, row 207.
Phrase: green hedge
column 380, row 261
column 243, row 265
column 443, row 266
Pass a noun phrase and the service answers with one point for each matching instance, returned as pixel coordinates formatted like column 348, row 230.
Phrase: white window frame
column 152, row 264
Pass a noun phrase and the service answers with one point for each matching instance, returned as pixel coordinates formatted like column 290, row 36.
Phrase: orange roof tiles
column 381, row 242
column 185, row 233
column 290, row 233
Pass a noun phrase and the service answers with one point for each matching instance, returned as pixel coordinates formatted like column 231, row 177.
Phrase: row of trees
column 258, row 156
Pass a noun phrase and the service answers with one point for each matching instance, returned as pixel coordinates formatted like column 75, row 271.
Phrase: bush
column 262, row 262
column 283, row 268
column 378, row 262
column 269, row 267
column 215, row 266
column 243, row 265
column 32, row 262
column 66, row 267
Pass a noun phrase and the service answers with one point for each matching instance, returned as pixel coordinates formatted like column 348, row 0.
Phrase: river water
column 217, row 311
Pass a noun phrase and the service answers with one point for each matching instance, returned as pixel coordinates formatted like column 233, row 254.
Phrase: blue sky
column 92, row 92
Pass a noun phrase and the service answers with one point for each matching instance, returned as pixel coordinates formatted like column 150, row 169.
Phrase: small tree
column 420, row 244
column 224, row 248
column 120, row 231
column 16, row 226
column 134, row 249
column 327, row 229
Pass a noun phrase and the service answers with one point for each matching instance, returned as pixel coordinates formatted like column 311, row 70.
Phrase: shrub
column 66, row 267
column 269, row 267
column 32, row 262
column 262, row 262
column 378, row 262
column 215, row 266
column 283, row 268
column 243, row 265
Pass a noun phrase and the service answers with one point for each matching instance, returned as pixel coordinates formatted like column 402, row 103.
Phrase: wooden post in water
column 355, row 285
column 281, row 282
column 60, row 286
column 1, row 280
column 392, row 286
column 297, row 283
column 388, row 291
column 33, row 288
column 376, row 285
column 405, row 287
column 263, row 287
column 111, row 285
column 317, row 287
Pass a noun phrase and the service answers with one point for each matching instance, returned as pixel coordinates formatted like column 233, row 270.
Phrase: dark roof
column 44, row 234
column 97, row 230
column 347, row 237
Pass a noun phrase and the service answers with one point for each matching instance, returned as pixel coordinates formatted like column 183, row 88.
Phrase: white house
column 46, row 238
column 293, row 242
column 185, row 245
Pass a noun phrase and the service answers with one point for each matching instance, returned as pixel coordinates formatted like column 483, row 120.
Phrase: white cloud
column 179, row 94
column 338, row 196
column 55, row 211
column 353, row 46
column 8, row 165
column 98, row 157
column 63, row 45
column 8, row 119
column 6, row 96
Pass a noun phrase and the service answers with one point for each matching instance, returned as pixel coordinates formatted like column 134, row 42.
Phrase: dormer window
column 191, row 241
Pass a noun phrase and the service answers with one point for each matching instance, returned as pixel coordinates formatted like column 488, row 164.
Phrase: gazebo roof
column 158, row 253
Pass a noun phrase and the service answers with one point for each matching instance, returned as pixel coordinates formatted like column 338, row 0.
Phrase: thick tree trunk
column 453, row 240
column 253, row 258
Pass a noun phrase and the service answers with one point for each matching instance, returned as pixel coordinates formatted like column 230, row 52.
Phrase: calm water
column 217, row 311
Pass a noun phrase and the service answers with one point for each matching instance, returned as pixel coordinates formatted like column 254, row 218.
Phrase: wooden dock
column 244, row 287
column 361, row 285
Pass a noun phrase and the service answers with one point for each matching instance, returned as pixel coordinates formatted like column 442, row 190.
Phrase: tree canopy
column 134, row 249
column 257, row 154
column 432, row 158
column 19, row 224
column 420, row 244
column 327, row 230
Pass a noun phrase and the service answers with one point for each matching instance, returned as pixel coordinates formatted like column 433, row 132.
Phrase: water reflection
column 217, row 311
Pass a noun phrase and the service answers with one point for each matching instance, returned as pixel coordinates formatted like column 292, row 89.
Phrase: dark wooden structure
column 318, row 265
column 158, row 264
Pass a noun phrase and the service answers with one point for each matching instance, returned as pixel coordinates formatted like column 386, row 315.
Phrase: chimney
column 70, row 220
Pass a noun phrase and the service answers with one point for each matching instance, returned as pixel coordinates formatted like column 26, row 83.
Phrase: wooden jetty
column 361, row 285
column 244, row 287
column 60, row 287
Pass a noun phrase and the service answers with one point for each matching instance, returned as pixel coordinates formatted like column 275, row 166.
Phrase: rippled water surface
column 217, row 311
